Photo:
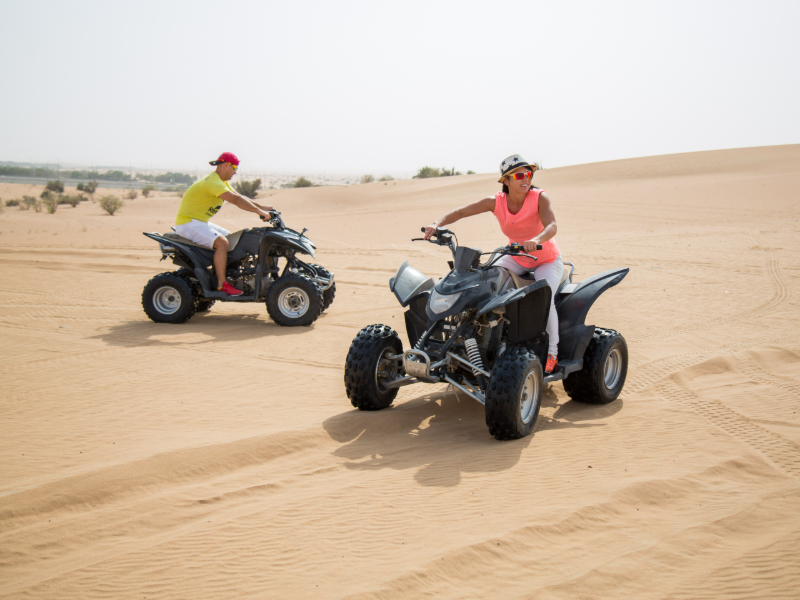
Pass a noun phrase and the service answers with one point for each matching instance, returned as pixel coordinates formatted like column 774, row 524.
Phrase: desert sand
column 221, row 458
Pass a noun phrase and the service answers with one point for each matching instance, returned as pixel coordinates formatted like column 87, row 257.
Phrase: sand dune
column 222, row 459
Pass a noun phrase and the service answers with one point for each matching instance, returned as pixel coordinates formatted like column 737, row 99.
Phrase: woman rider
column 525, row 214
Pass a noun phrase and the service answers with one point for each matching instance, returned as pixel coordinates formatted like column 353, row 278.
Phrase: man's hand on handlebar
column 267, row 214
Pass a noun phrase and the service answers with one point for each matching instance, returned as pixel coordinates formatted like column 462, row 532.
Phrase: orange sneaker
column 552, row 362
column 232, row 291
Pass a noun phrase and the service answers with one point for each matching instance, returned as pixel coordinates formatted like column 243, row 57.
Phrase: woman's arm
column 548, row 220
column 476, row 208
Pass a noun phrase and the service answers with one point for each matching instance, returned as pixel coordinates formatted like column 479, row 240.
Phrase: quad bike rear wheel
column 203, row 305
column 605, row 366
column 369, row 366
column 514, row 394
column 168, row 298
column 329, row 294
column 294, row 300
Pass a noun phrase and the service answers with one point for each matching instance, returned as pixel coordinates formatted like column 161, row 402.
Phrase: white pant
column 552, row 273
column 201, row 232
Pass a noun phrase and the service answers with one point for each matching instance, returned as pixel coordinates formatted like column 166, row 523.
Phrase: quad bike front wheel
column 329, row 294
column 369, row 365
column 294, row 300
column 605, row 367
column 168, row 298
column 514, row 394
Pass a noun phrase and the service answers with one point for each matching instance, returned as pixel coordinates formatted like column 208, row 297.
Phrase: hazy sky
column 378, row 87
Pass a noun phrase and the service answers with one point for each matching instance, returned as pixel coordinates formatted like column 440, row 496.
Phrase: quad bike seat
column 521, row 281
column 232, row 238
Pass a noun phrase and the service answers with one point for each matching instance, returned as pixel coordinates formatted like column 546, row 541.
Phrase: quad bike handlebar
column 445, row 237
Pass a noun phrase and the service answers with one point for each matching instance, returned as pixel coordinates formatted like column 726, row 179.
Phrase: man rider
column 202, row 201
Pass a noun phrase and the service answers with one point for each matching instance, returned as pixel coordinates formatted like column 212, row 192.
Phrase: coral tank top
column 523, row 226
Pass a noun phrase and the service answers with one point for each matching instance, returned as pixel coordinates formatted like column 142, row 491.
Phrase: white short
column 201, row 232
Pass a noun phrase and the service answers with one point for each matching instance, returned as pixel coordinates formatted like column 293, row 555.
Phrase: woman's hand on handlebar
column 531, row 246
column 430, row 230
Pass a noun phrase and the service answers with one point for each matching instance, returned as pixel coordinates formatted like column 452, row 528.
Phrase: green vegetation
column 169, row 177
column 386, row 178
column 13, row 202
column 248, row 188
column 31, row 202
column 300, row 182
column 367, row 179
column 470, row 172
column 110, row 175
column 56, row 186
column 50, row 200
column 131, row 195
column 90, row 188
column 427, row 172
column 147, row 189
column 73, row 200
column 111, row 204
column 42, row 172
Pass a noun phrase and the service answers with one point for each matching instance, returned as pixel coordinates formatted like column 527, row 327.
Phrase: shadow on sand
column 202, row 328
column 444, row 434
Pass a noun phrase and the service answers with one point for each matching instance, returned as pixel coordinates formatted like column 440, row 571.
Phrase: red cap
column 226, row 157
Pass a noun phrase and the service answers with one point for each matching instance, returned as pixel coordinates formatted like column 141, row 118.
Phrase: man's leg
column 220, row 259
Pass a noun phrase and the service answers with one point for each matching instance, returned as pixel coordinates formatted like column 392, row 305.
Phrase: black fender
column 196, row 259
column 573, row 306
column 527, row 310
column 289, row 238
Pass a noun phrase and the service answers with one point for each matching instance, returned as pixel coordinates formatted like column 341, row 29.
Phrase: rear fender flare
column 573, row 307
column 196, row 264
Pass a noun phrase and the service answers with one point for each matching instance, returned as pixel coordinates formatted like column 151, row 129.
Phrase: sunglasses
column 518, row 176
column 235, row 167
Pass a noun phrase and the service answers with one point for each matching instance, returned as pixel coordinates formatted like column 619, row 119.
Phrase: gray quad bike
column 295, row 295
column 481, row 329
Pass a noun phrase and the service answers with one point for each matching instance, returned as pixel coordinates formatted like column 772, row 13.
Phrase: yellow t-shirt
column 202, row 200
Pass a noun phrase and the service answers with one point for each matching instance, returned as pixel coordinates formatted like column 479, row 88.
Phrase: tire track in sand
column 783, row 454
column 781, row 295
column 656, row 370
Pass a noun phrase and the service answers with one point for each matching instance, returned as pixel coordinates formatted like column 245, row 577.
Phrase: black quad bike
column 481, row 329
column 295, row 295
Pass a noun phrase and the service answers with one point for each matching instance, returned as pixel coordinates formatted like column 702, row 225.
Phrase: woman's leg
column 552, row 273
column 510, row 264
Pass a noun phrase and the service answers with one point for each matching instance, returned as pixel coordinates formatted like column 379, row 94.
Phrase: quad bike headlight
column 442, row 302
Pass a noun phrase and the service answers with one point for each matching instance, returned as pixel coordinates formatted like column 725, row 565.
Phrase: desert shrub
column 131, row 195
column 13, row 202
column 147, row 189
column 386, row 178
column 50, row 200
column 450, row 173
column 72, row 199
column 427, row 172
column 470, row 172
column 55, row 186
column 367, row 179
column 248, row 188
column 301, row 182
column 31, row 202
column 111, row 204
column 89, row 188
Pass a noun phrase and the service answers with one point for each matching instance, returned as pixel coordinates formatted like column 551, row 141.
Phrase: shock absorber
column 474, row 355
